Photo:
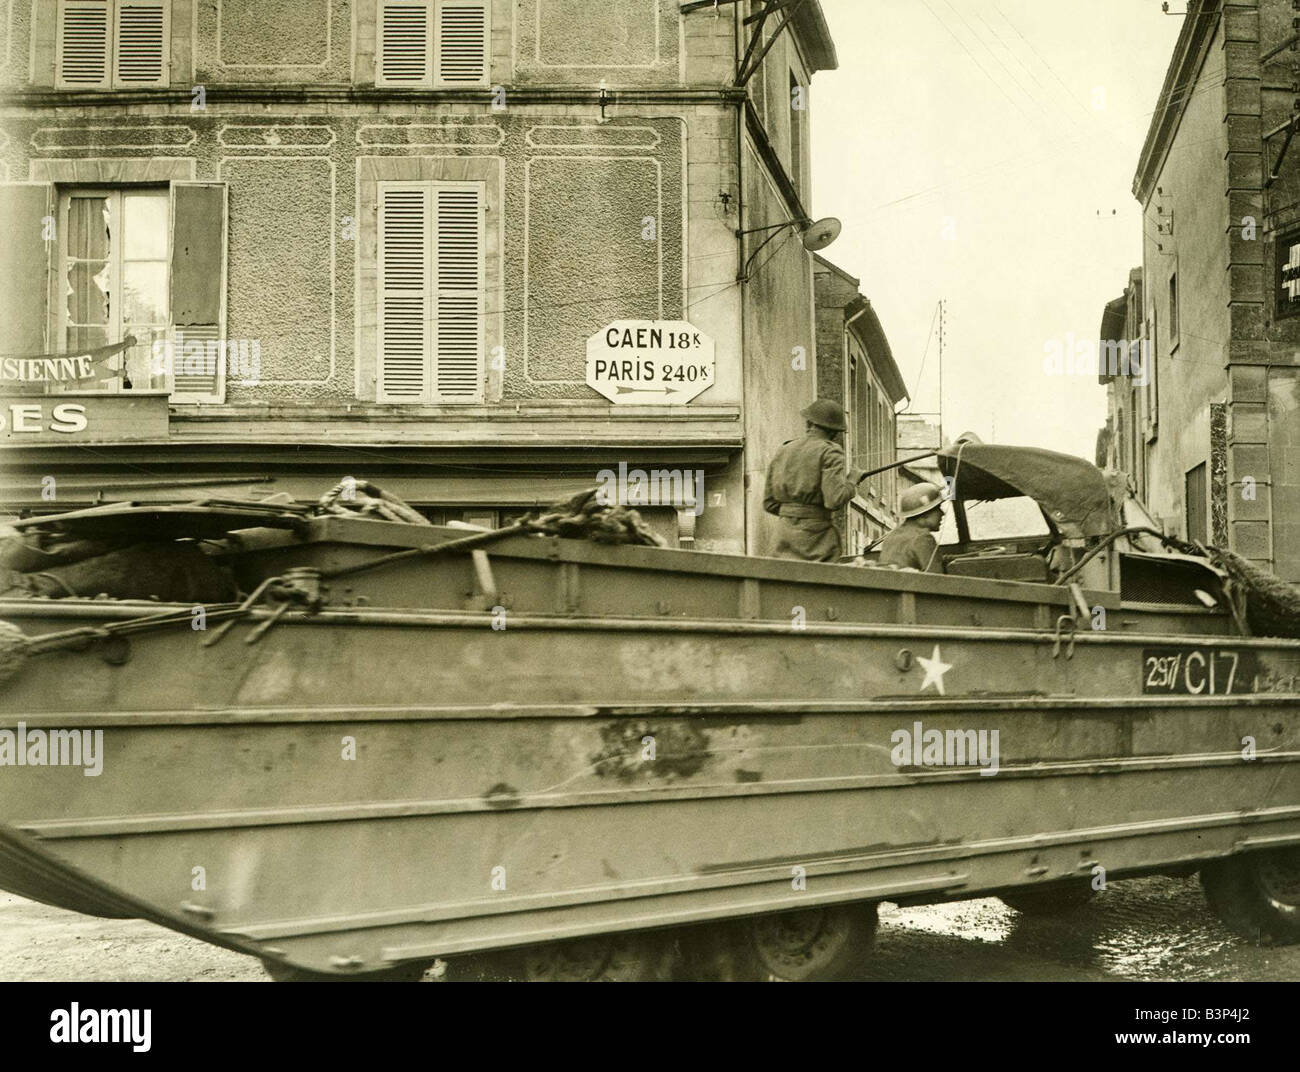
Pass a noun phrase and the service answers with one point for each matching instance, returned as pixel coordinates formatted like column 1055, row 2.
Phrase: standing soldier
column 806, row 481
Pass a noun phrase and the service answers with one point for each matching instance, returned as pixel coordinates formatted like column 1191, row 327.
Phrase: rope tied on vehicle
column 583, row 516
column 351, row 496
column 14, row 649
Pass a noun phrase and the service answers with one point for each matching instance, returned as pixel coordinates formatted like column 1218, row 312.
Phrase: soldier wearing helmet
column 806, row 482
column 912, row 545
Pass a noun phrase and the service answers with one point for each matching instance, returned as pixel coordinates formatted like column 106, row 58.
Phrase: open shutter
column 82, row 44
column 458, row 257
column 25, row 266
column 198, row 291
column 405, row 43
column 141, row 54
column 462, row 36
column 404, row 292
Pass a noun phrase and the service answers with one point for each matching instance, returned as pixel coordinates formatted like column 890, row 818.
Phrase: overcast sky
column 1011, row 125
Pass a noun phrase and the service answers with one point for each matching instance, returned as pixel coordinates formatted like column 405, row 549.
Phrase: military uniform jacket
column 807, row 479
column 910, row 546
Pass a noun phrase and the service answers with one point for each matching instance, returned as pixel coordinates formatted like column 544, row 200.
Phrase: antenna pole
column 941, row 316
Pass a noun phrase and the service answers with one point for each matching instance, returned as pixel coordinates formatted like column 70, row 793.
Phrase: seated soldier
column 912, row 545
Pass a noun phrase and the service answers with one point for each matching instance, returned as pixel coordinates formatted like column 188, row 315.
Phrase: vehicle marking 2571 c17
column 1196, row 671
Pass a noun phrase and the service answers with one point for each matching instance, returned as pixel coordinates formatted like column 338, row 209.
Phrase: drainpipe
column 844, row 362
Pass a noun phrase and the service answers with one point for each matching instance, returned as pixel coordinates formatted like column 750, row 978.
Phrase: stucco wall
column 332, row 42
column 1190, row 372
column 570, row 214
column 569, row 196
column 778, row 319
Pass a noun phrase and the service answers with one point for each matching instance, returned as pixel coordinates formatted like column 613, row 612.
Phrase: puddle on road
column 1139, row 929
column 987, row 920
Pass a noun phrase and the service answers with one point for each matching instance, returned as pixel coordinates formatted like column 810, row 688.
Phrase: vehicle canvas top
column 1080, row 499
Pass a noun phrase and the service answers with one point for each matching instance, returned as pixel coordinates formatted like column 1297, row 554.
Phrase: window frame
column 65, row 193
column 434, row 79
column 798, row 136
column 430, row 395
column 1203, row 470
column 111, row 80
column 1173, row 310
column 1151, row 390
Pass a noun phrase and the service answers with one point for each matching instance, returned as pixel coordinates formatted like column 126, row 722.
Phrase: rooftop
column 1199, row 26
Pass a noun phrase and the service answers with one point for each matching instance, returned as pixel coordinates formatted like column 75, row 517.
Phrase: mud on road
column 1141, row 929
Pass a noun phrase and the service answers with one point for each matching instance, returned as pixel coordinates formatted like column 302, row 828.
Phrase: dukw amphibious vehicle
column 350, row 743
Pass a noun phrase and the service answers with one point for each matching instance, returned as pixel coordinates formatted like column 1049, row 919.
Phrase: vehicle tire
column 810, row 945
column 409, row 972
column 479, row 968
column 1049, row 900
column 604, row 958
column 1257, row 894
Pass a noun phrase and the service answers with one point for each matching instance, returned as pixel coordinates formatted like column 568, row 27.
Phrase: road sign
column 650, row 362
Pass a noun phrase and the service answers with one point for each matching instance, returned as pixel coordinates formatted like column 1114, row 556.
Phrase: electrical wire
column 974, row 59
column 921, row 371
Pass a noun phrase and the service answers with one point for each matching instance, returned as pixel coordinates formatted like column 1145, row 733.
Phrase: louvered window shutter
column 140, row 57
column 25, row 267
column 404, row 292
column 405, row 43
column 198, row 282
column 198, row 372
column 458, row 266
column 462, row 36
column 82, row 45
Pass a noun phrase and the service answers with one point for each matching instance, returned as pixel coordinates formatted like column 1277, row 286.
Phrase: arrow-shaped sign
column 631, row 361
column 646, row 390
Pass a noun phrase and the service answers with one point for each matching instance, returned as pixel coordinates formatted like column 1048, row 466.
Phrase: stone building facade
column 396, row 223
column 1219, row 185
column 856, row 367
column 1131, row 413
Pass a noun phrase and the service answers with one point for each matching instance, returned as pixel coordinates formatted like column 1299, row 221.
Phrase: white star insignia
column 935, row 668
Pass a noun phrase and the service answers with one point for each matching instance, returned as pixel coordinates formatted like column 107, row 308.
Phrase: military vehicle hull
column 560, row 740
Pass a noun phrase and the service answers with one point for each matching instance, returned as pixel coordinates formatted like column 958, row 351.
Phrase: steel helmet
column 826, row 414
column 920, row 500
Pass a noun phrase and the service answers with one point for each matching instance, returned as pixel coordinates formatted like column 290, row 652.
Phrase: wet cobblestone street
column 1142, row 929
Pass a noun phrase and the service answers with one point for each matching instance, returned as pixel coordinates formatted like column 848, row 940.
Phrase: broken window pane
column 88, row 228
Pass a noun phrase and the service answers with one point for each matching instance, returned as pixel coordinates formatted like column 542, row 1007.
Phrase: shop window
column 112, row 44
column 433, row 43
column 431, row 292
